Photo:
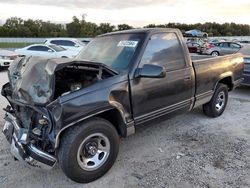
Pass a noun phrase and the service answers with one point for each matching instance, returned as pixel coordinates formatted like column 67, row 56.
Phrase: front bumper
column 25, row 152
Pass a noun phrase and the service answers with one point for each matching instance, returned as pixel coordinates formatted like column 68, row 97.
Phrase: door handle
column 188, row 78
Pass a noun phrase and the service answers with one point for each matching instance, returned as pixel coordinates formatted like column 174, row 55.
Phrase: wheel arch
column 226, row 79
column 113, row 115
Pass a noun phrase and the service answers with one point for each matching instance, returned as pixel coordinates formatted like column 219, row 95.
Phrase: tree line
column 17, row 27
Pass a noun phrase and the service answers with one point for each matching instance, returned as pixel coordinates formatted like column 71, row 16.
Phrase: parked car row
column 51, row 48
column 54, row 47
column 46, row 50
column 70, row 44
column 201, row 46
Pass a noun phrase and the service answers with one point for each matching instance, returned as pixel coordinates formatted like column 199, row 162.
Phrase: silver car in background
column 222, row 48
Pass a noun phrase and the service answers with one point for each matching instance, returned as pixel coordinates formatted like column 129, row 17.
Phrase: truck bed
column 211, row 69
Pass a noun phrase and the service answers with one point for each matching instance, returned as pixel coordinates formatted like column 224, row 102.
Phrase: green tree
column 122, row 27
column 74, row 28
column 105, row 28
column 17, row 27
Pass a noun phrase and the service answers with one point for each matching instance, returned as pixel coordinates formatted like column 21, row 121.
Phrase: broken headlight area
column 34, row 126
column 25, row 146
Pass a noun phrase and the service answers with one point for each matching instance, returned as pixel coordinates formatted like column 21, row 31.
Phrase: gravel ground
column 190, row 150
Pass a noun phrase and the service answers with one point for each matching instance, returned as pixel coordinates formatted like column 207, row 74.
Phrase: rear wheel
column 215, row 54
column 88, row 151
column 218, row 102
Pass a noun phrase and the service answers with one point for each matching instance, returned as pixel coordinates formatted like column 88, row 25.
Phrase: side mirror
column 50, row 50
column 76, row 45
column 151, row 71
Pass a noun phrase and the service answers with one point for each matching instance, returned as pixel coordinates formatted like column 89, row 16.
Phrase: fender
column 57, row 139
column 67, row 114
column 223, row 76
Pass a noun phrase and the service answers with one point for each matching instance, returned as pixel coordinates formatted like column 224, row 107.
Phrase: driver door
column 156, row 97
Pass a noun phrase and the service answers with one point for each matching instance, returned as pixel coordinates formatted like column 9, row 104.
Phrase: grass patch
column 13, row 45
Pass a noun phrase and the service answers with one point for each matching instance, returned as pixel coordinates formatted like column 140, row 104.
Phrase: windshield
column 57, row 48
column 115, row 51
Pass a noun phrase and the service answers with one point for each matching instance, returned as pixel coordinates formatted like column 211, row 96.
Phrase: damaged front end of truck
column 34, row 116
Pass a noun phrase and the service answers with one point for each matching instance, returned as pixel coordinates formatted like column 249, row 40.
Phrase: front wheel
column 218, row 103
column 89, row 150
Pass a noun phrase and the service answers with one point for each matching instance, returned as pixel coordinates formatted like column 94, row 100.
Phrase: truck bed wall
column 211, row 70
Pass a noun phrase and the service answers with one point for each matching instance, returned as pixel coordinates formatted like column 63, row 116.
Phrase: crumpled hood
column 32, row 79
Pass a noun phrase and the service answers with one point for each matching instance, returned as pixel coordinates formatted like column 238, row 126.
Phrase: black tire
column 210, row 109
column 72, row 141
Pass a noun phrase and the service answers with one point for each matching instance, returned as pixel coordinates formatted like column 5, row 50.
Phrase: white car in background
column 71, row 44
column 44, row 50
column 6, row 58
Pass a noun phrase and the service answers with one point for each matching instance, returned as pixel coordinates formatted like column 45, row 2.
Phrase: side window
column 39, row 48
column 164, row 49
column 63, row 42
column 234, row 45
column 225, row 45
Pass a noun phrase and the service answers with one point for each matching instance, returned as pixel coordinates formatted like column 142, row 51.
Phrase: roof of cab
column 144, row 30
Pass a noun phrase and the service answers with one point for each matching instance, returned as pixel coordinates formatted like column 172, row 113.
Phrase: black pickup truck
column 73, row 111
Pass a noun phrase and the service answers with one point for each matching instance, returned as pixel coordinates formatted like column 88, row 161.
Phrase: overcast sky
column 133, row 12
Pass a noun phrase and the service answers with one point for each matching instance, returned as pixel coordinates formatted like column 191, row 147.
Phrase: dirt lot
column 187, row 151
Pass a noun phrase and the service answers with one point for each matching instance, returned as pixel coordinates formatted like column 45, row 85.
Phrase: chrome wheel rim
column 220, row 101
column 215, row 54
column 93, row 152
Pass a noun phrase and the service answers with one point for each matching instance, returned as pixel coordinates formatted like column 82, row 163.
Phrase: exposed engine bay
column 75, row 77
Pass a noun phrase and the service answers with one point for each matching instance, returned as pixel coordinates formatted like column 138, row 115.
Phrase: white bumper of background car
column 5, row 62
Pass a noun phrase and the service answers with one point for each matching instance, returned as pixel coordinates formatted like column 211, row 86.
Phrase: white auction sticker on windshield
column 128, row 43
